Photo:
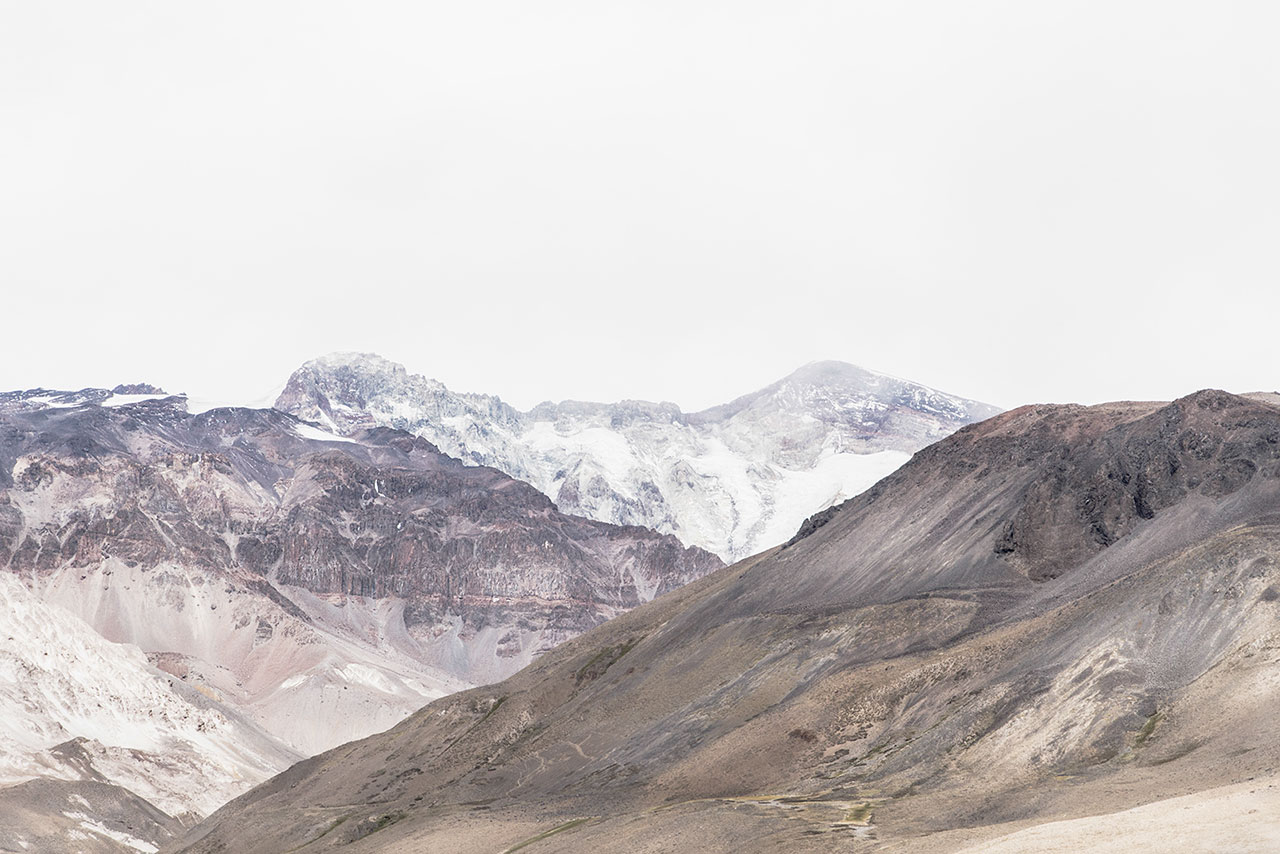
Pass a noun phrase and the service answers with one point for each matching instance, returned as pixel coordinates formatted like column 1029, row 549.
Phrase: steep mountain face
column 1058, row 613
column 733, row 479
column 308, row 588
column 80, row 708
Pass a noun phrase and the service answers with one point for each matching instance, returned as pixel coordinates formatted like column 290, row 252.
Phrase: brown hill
column 1057, row 613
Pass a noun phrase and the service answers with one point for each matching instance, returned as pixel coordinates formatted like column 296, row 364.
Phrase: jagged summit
column 733, row 479
column 138, row 388
column 357, row 359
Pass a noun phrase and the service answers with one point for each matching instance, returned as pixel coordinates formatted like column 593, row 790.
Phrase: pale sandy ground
column 1229, row 820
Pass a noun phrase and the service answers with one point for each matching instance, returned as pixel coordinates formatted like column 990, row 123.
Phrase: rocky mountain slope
column 80, row 711
column 81, row 817
column 1058, row 623
column 289, row 589
column 733, row 479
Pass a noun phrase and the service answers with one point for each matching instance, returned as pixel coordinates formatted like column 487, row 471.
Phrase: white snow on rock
column 197, row 404
column 734, row 479
column 127, row 399
column 309, row 431
column 94, row 826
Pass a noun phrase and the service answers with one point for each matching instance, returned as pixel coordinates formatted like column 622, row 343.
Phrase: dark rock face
column 1063, row 611
column 1087, row 496
column 258, row 497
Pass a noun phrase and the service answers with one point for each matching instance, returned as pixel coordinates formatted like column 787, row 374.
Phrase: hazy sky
column 679, row 200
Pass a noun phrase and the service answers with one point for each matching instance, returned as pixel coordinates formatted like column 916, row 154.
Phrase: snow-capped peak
column 733, row 479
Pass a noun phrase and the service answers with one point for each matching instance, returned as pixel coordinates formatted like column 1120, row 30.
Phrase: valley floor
column 1240, row 817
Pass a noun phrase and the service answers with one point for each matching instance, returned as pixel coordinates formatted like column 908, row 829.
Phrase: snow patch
column 101, row 829
column 308, row 431
column 198, row 404
column 837, row 478
column 126, row 399
column 53, row 402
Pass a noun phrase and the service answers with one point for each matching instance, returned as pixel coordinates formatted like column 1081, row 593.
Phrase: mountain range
column 733, row 479
column 194, row 601
column 1053, row 630
column 195, row 598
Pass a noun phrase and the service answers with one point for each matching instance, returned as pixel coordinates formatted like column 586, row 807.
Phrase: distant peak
column 352, row 359
column 1211, row 398
column 830, row 370
column 137, row 388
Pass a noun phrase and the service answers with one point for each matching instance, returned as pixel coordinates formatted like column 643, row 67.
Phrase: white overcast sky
column 1019, row 201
